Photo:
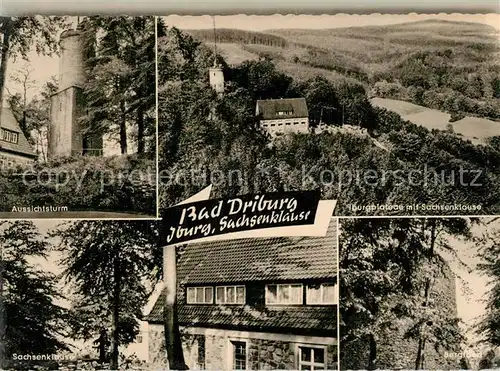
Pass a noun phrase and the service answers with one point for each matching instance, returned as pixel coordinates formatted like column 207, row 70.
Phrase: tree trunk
column 113, row 365
column 123, row 129
column 175, row 354
column 372, row 361
column 141, row 145
column 5, row 57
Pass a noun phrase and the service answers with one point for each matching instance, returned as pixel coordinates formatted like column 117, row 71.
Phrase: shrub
column 118, row 183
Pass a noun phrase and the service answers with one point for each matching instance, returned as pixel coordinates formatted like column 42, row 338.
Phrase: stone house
column 260, row 303
column 14, row 146
column 280, row 116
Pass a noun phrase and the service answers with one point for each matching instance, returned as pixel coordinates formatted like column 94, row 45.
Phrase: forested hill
column 450, row 66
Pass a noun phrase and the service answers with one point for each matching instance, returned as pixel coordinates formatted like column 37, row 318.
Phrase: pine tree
column 108, row 264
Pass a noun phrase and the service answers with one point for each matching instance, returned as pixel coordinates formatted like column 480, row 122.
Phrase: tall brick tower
column 216, row 75
column 68, row 104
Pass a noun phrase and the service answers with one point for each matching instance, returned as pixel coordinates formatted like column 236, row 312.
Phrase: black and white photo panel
column 390, row 114
column 419, row 293
column 78, row 121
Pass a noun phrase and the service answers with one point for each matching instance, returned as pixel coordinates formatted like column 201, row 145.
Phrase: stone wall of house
column 262, row 354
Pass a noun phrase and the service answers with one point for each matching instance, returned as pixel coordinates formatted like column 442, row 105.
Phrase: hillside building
column 68, row 104
column 281, row 116
column 14, row 146
column 259, row 303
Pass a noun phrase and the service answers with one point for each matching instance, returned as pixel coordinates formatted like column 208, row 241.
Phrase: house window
column 9, row 136
column 325, row 293
column 201, row 353
column 138, row 339
column 284, row 294
column 230, row 295
column 303, row 122
column 200, row 295
column 239, row 355
column 312, row 358
column 280, row 124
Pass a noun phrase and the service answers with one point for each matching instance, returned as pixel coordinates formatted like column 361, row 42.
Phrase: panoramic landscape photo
column 78, row 122
column 389, row 114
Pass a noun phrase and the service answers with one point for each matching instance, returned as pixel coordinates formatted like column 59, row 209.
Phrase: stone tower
column 394, row 350
column 216, row 75
column 217, row 79
column 68, row 104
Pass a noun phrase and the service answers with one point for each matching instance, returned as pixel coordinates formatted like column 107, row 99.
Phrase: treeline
column 84, row 183
column 120, row 88
column 308, row 55
column 225, row 35
column 120, row 91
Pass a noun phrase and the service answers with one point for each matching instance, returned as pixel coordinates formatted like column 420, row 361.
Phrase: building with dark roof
column 260, row 303
column 279, row 116
column 68, row 105
column 14, row 146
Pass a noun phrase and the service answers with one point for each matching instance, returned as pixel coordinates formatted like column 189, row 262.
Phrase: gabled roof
column 260, row 259
column 9, row 122
column 256, row 260
column 269, row 109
